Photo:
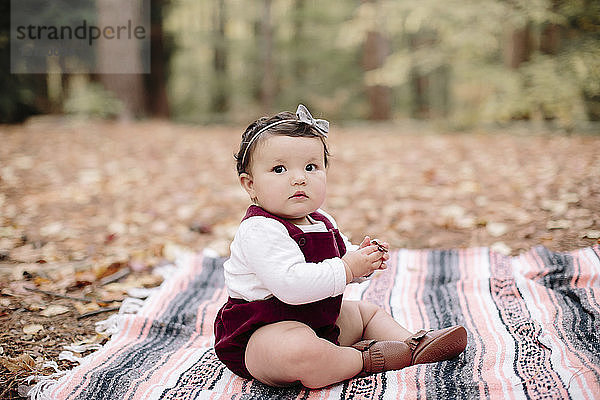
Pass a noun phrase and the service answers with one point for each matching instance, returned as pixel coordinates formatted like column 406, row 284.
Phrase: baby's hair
column 292, row 128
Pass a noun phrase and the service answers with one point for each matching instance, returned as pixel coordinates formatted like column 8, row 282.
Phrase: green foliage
column 473, row 39
column 469, row 61
column 309, row 65
column 462, row 48
column 87, row 99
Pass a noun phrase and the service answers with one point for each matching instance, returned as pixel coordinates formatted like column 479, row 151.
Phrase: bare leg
column 287, row 352
column 360, row 320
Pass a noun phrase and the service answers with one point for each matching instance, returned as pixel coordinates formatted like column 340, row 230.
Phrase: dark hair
column 292, row 128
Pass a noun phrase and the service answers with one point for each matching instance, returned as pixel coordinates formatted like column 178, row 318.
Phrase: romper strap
column 256, row 211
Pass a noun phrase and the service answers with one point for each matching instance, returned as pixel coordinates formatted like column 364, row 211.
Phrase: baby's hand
column 368, row 258
column 384, row 248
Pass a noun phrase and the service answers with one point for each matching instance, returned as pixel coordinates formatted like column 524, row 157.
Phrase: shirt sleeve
column 349, row 247
column 279, row 264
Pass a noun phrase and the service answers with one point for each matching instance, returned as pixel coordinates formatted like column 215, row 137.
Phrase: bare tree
column 116, row 56
column 268, row 80
column 156, row 83
column 220, row 95
column 517, row 47
column 375, row 51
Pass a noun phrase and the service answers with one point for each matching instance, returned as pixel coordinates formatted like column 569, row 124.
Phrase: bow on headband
column 320, row 125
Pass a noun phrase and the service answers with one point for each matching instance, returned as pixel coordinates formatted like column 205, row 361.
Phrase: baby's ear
column 247, row 183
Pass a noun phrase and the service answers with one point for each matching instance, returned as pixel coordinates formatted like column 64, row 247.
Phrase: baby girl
column 285, row 321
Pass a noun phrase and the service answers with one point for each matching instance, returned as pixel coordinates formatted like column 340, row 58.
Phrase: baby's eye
column 311, row 167
column 279, row 169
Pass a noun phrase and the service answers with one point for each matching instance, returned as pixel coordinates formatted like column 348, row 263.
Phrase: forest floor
column 88, row 209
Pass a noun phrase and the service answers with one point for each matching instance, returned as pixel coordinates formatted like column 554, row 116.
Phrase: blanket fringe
column 108, row 327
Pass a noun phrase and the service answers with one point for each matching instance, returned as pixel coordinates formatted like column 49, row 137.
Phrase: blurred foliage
column 459, row 47
column 467, row 62
column 308, row 63
column 90, row 99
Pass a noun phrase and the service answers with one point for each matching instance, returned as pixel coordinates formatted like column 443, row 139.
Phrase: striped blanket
column 533, row 324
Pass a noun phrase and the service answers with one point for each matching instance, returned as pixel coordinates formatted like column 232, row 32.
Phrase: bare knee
column 367, row 311
column 305, row 359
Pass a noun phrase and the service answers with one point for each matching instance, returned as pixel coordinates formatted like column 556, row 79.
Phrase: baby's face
column 287, row 176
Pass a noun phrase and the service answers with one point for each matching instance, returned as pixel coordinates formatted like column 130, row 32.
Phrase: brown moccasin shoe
column 434, row 346
column 385, row 355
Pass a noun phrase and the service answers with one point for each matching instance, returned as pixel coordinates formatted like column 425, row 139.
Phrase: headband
column 321, row 125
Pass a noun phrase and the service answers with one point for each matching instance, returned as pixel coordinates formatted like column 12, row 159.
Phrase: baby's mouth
column 298, row 194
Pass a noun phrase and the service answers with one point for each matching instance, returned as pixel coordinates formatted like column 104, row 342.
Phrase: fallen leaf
column 466, row 222
column 41, row 281
column 452, row 211
column 592, row 234
column 32, row 329
column 22, row 363
column 559, row 224
column 23, row 390
column 570, row 197
column 496, row 229
column 83, row 308
column 54, row 309
column 582, row 224
column 201, row 228
column 104, row 270
column 502, row 248
column 556, row 207
column 51, row 229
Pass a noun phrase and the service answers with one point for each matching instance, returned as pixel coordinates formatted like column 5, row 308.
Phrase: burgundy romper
column 238, row 319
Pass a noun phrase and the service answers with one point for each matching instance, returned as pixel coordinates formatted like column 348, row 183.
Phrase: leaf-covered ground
column 88, row 209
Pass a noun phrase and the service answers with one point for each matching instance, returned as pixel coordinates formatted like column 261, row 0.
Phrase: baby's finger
column 380, row 242
column 375, row 257
column 379, row 245
column 370, row 249
column 366, row 241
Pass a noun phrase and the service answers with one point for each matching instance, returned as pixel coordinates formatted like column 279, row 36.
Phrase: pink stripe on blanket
column 487, row 345
column 557, row 335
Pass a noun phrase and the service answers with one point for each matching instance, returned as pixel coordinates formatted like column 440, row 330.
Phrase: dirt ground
column 88, row 209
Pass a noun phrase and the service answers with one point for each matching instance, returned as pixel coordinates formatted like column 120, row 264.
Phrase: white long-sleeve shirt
column 265, row 261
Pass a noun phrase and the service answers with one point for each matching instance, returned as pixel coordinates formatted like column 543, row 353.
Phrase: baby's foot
column 434, row 346
column 420, row 348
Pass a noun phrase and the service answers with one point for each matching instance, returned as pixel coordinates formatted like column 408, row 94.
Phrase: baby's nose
column 299, row 177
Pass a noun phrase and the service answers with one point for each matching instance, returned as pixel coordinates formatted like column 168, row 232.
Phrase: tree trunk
column 518, row 47
column 420, row 90
column 220, row 96
column 299, row 65
column 550, row 39
column 116, row 56
column 420, row 83
column 267, row 86
column 551, row 33
column 375, row 52
column 156, row 82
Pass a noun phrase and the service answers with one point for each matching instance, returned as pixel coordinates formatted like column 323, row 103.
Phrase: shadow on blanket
column 533, row 323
